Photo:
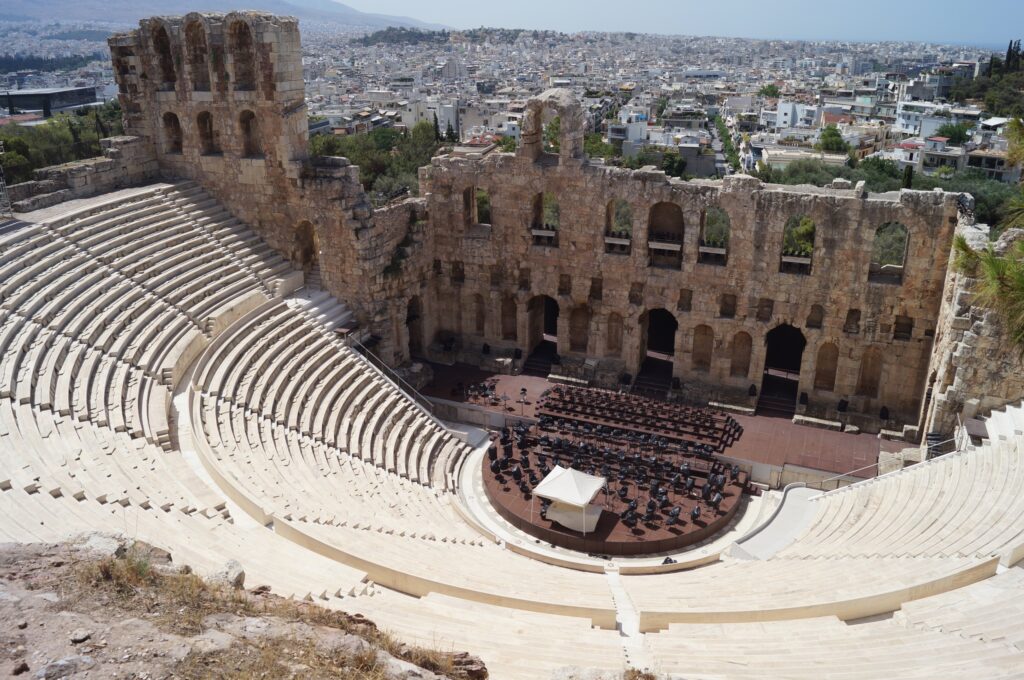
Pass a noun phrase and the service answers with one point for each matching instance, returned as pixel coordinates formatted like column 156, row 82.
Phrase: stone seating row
column 103, row 308
column 825, row 647
column 288, row 475
column 961, row 504
column 514, row 644
column 278, row 364
column 203, row 543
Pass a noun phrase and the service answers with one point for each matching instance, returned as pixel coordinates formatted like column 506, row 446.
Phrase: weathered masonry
column 726, row 290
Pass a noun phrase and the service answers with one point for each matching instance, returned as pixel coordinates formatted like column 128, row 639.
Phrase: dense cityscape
column 339, row 344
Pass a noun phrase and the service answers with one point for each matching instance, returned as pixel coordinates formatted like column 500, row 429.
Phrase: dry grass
column 282, row 658
column 179, row 602
column 637, row 674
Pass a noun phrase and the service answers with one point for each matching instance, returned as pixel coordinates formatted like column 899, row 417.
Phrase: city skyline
column 872, row 20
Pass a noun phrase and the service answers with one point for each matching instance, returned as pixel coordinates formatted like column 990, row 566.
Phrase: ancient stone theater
column 560, row 414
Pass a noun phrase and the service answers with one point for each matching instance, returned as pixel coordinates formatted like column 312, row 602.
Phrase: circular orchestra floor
column 637, row 470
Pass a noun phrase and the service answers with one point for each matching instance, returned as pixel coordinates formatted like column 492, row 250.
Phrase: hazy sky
column 988, row 23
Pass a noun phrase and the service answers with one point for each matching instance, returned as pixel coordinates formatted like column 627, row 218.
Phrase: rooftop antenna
column 5, row 199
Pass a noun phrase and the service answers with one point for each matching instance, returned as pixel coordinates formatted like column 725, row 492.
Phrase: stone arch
column 870, row 376
column 208, row 143
column 613, row 346
column 742, row 344
column 164, row 57
column 715, row 227
column 618, row 219
column 479, row 314
column 665, row 235
column 826, row 366
column 196, row 54
column 703, row 347
column 816, row 317
column 797, row 245
column 563, row 104
column 579, row 328
column 545, row 219
column 172, row 133
column 306, row 246
column 242, row 49
column 509, row 319
column 665, row 222
column 889, row 253
column 249, row 127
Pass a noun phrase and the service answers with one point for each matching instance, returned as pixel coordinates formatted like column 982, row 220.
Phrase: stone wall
column 490, row 266
column 222, row 100
column 975, row 368
column 126, row 161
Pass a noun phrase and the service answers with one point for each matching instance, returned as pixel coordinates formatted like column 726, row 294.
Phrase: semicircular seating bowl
column 351, row 485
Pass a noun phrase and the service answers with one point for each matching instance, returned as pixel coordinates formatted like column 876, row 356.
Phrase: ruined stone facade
column 974, row 368
column 463, row 272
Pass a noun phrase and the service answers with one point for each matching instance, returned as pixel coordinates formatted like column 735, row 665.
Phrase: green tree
column 908, row 177
column 798, row 238
column 831, row 141
column 507, row 144
column 673, row 164
column 958, row 133
column 595, row 147
column 728, row 147
column 449, row 134
column 437, row 129
column 553, row 135
column 770, row 90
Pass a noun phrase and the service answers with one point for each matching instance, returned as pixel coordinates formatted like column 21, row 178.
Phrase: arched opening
column 164, row 59
column 546, row 219
column 579, row 329
column 780, row 382
column 305, row 247
column 243, row 56
column 825, row 367
column 172, row 133
column 552, row 129
column 509, row 319
column 414, row 325
column 703, row 348
column 618, row 227
column 208, row 144
column 665, row 235
column 543, row 312
column 196, row 49
column 251, row 146
column 714, row 237
column 797, row 245
column 613, row 347
column 888, row 254
column 870, row 373
column 816, row 317
column 742, row 344
column 479, row 314
column 657, row 345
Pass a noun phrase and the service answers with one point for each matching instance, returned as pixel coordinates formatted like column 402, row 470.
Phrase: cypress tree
column 437, row 130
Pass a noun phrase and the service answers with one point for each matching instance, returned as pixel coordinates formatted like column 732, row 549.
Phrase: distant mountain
column 130, row 11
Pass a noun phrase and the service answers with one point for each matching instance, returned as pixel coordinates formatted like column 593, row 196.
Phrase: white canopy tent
column 570, row 492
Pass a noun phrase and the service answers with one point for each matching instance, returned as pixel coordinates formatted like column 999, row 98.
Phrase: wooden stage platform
column 768, row 440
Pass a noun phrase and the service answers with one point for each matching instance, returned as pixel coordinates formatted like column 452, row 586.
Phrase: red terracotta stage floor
column 774, row 441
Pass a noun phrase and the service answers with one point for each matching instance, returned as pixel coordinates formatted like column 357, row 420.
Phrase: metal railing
column 396, row 380
column 960, row 439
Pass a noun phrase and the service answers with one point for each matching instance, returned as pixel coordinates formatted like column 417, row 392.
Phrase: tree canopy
column 62, row 139
column 957, row 133
column 798, row 237
column 770, row 90
column 388, row 160
column 831, row 140
column 1000, row 283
